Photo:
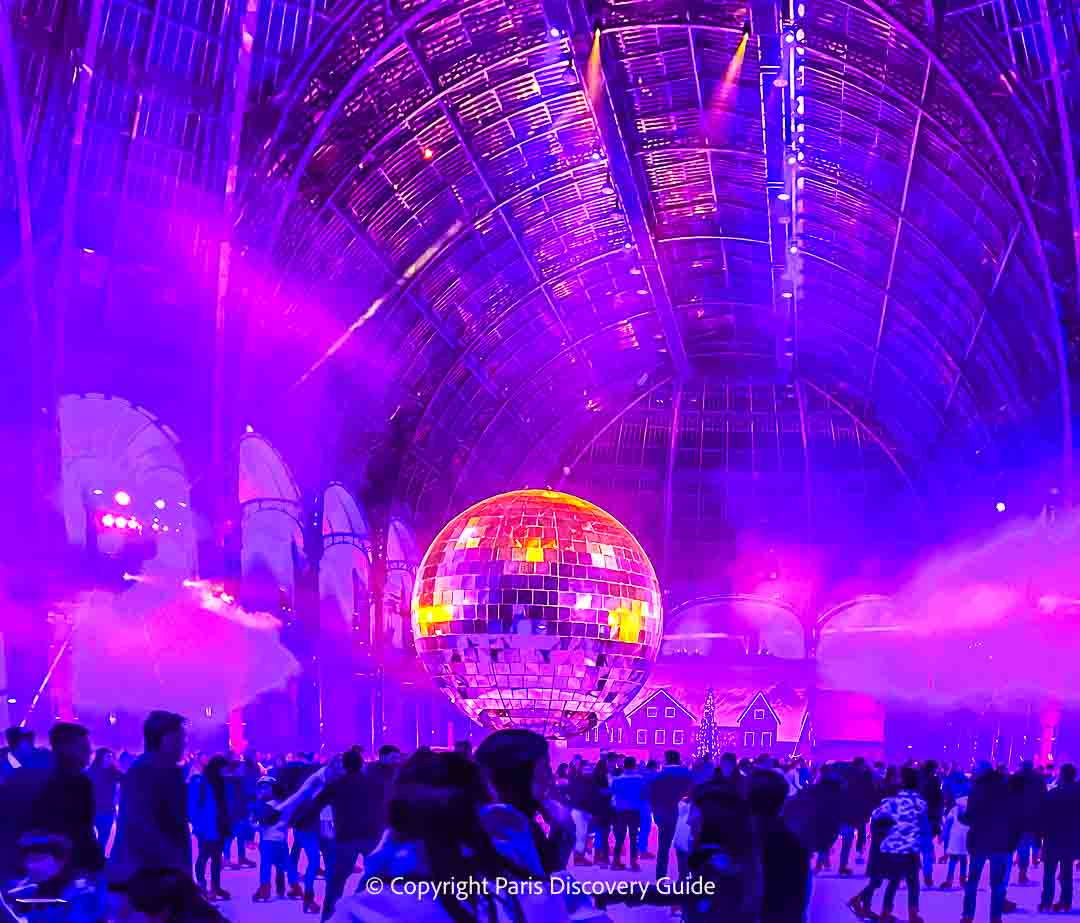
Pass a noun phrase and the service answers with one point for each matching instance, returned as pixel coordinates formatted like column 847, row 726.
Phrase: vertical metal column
column 669, row 482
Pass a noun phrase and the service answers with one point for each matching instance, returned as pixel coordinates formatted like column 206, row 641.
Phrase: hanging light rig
column 791, row 82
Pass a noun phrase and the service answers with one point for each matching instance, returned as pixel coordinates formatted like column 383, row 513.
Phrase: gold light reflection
column 429, row 618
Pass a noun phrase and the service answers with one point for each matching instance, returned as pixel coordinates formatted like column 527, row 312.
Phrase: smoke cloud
column 994, row 623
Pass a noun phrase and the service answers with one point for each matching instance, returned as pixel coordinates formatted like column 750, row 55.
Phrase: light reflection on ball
column 535, row 609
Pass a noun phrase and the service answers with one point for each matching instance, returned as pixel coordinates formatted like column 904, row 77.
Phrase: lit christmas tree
column 706, row 745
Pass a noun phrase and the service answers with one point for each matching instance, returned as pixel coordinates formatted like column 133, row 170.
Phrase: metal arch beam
column 859, row 421
column 623, row 178
column 669, row 479
column 908, row 173
column 9, row 72
column 404, row 285
column 1067, row 152
column 478, row 168
column 1029, row 219
column 507, row 312
column 915, row 390
column 829, row 614
column 959, row 148
column 689, row 238
column 380, row 51
column 528, row 381
column 663, row 382
column 299, row 78
column 775, row 114
column 873, row 285
column 422, row 307
column 934, row 245
column 448, row 90
column 707, row 149
column 961, row 370
column 800, row 398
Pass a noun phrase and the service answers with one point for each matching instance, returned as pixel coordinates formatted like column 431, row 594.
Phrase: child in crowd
column 53, row 890
column 272, row 819
column 955, row 834
column 273, row 830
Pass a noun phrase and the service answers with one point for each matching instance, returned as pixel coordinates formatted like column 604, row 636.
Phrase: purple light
column 107, row 520
column 122, row 498
column 1000, row 506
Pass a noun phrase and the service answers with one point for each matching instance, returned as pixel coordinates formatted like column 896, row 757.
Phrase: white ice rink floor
column 827, row 904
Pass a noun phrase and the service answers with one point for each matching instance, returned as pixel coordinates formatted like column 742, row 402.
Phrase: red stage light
column 428, row 153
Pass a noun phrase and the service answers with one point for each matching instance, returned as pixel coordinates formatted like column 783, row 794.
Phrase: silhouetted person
column 355, row 825
column 209, row 813
column 665, row 792
column 105, row 778
column 380, row 776
column 55, row 799
column 152, row 827
column 19, row 752
column 1060, row 828
column 519, row 766
column 785, row 862
column 1029, row 788
column 992, row 815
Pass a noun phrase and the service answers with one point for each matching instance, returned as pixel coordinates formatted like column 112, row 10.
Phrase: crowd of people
column 91, row 836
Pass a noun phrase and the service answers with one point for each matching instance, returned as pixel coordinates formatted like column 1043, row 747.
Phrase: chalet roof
column 753, row 702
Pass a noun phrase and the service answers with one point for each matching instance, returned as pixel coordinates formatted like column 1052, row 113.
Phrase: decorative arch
column 402, row 559
column 345, row 566
column 109, row 444
column 271, row 524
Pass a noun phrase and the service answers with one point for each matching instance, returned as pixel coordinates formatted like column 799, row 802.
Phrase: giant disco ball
column 537, row 610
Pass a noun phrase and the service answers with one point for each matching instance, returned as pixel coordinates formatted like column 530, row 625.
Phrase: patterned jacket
column 911, row 824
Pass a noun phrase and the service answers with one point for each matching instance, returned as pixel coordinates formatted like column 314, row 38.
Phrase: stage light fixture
column 428, row 153
column 97, row 491
column 1000, row 506
column 122, row 498
column 121, row 522
column 160, row 504
column 108, row 520
column 555, row 33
